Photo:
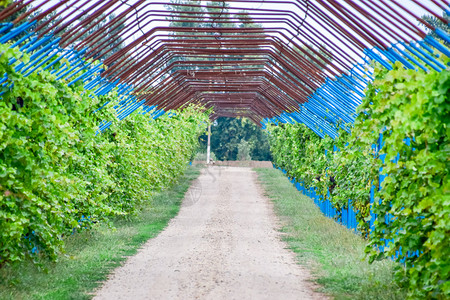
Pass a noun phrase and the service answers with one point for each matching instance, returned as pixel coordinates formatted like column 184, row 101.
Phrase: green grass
column 333, row 253
column 91, row 255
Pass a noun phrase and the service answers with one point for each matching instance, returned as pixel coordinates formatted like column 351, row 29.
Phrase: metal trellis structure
column 278, row 61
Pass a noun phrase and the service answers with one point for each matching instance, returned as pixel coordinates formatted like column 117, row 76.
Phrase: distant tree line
column 237, row 139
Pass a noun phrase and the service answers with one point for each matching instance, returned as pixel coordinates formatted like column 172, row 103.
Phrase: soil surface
column 223, row 244
column 240, row 163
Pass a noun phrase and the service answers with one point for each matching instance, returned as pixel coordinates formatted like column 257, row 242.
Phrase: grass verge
column 334, row 253
column 91, row 255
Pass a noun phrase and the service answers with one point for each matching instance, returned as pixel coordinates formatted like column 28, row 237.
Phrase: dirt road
column 222, row 245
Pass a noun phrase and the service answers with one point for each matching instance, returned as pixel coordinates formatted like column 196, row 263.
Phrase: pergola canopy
column 290, row 61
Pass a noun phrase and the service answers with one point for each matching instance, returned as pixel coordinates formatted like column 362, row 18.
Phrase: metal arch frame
column 285, row 85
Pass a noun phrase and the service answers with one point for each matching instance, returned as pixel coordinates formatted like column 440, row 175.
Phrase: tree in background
column 438, row 24
column 51, row 21
column 175, row 6
column 112, row 33
column 244, row 149
column 228, row 135
column 48, row 18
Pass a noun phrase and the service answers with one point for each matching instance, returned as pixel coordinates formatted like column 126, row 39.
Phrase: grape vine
column 411, row 111
column 56, row 176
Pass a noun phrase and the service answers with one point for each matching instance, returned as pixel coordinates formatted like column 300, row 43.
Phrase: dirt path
column 222, row 245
